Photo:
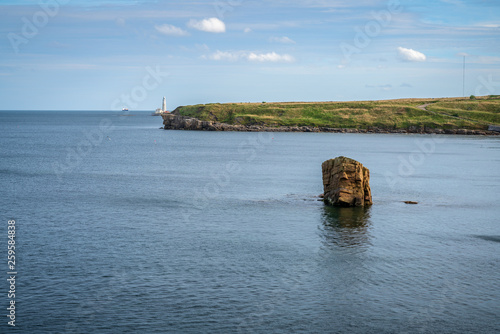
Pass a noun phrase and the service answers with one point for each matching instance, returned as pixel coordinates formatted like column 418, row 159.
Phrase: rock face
column 494, row 128
column 346, row 182
column 177, row 122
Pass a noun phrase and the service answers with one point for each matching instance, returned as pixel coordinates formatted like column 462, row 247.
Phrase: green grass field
column 445, row 113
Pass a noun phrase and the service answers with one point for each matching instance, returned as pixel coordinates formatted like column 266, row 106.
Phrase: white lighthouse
column 163, row 109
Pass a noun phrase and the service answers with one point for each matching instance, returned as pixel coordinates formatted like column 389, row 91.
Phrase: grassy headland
column 445, row 113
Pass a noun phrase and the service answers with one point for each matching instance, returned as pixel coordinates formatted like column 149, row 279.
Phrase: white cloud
column 386, row 87
column 488, row 60
column 68, row 66
column 283, row 40
column 411, row 55
column 202, row 47
column 168, row 29
column 121, row 22
column 209, row 25
column 476, row 59
column 270, row 57
column 247, row 30
column 489, row 25
column 225, row 55
column 453, row 2
column 250, row 56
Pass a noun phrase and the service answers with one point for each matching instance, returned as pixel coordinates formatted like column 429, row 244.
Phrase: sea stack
column 346, row 182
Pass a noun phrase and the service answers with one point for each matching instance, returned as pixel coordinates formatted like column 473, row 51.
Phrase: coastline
column 178, row 122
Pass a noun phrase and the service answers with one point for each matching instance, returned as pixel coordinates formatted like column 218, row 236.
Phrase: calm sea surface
column 125, row 228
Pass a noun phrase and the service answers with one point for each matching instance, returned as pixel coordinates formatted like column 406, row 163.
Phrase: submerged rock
column 346, row 182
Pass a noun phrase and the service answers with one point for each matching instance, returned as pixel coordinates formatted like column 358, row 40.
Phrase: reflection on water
column 346, row 227
column 495, row 238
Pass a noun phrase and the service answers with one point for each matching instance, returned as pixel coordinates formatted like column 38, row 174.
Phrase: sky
column 109, row 54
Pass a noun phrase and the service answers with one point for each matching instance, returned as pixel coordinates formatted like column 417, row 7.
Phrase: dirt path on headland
column 424, row 108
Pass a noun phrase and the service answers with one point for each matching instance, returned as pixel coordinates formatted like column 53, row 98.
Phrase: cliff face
column 177, row 122
column 346, row 182
column 494, row 128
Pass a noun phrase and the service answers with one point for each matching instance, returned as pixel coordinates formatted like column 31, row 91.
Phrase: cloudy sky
column 105, row 54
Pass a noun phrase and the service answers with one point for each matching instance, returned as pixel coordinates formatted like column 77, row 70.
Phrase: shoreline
column 178, row 122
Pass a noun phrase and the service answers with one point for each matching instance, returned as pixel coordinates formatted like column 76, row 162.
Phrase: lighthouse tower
column 164, row 105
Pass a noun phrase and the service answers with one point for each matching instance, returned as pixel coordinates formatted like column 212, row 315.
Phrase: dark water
column 139, row 230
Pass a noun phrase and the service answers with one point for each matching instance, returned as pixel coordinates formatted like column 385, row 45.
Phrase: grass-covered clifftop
column 445, row 113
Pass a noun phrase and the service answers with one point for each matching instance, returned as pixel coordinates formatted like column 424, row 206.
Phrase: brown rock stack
column 346, row 182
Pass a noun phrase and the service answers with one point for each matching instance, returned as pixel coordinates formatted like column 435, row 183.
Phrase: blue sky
column 75, row 54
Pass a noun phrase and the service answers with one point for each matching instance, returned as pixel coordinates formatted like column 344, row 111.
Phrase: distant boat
column 124, row 109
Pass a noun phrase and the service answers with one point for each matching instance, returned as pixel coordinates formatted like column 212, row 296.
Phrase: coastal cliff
column 478, row 116
column 179, row 122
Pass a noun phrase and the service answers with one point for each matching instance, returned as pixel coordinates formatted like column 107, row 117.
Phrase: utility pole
column 463, row 89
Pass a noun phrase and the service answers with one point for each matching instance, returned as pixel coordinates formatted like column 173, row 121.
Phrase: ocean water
column 125, row 228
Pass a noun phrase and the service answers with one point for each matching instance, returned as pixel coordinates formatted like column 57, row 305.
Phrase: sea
column 122, row 227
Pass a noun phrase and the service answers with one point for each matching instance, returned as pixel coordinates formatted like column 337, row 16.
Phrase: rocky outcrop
column 178, row 122
column 346, row 182
column 495, row 128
